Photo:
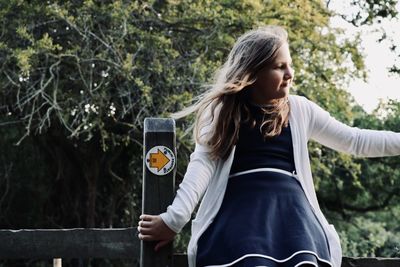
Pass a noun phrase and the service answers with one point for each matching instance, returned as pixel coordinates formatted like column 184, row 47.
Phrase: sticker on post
column 160, row 160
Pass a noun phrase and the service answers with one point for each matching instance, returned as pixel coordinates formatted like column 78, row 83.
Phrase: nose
column 289, row 73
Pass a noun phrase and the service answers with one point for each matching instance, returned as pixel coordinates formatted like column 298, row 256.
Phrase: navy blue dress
column 265, row 218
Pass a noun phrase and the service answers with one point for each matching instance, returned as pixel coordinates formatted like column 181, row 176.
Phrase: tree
column 77, row 79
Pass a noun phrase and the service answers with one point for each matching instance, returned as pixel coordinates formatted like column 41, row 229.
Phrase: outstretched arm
column 191, row 189
column 334, row 134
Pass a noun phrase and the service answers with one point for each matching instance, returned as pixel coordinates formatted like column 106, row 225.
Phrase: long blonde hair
column 230, row 89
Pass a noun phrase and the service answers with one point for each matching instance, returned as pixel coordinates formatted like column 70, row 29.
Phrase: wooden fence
column 159, row 168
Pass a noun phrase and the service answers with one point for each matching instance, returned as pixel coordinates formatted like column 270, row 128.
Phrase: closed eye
column 283, row 66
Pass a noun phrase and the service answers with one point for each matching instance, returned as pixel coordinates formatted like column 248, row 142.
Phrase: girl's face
column 273, row 81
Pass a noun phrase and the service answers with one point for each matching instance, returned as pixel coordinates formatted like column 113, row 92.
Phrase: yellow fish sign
column 160, row 160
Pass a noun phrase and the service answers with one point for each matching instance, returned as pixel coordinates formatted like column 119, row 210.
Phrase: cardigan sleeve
column 191, row 189
column 334, row 134
column 195, row 181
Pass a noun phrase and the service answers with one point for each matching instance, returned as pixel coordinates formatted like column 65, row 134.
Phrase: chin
column 285, row 92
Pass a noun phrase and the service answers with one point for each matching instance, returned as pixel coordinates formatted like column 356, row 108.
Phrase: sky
column 381, row 84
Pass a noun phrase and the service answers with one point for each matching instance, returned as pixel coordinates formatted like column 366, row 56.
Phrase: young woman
column 251, row 165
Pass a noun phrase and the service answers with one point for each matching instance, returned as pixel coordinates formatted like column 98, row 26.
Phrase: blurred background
column 77, row 79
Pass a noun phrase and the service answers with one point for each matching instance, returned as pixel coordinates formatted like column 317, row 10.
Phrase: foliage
column 77, row 79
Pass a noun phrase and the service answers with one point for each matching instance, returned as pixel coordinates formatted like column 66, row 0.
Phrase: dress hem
column 272, row 258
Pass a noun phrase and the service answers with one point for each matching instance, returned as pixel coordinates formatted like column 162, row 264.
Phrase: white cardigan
column 308, row 120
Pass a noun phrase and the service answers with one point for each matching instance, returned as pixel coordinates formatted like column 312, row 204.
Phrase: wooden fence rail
column 108, row 244
column 69, row 243
column 159, row 168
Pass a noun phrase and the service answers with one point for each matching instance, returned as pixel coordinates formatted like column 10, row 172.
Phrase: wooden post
column 158, row 188
column 57, row 263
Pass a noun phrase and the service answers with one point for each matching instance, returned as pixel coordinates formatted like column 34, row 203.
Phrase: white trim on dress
column 271, row 258
column 263, row 169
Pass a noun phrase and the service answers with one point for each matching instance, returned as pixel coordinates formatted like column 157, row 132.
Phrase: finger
column 146, row 237
column 141, row 228
column 145, row 231
column 145, row 224
column 146, row 217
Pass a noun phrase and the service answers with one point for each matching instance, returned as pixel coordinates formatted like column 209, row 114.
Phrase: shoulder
column 300, row 102
column 307, row 111
column 298, row 98
column 304, row 103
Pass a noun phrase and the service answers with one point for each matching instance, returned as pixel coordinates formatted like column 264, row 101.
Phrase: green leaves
column 89, row 72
